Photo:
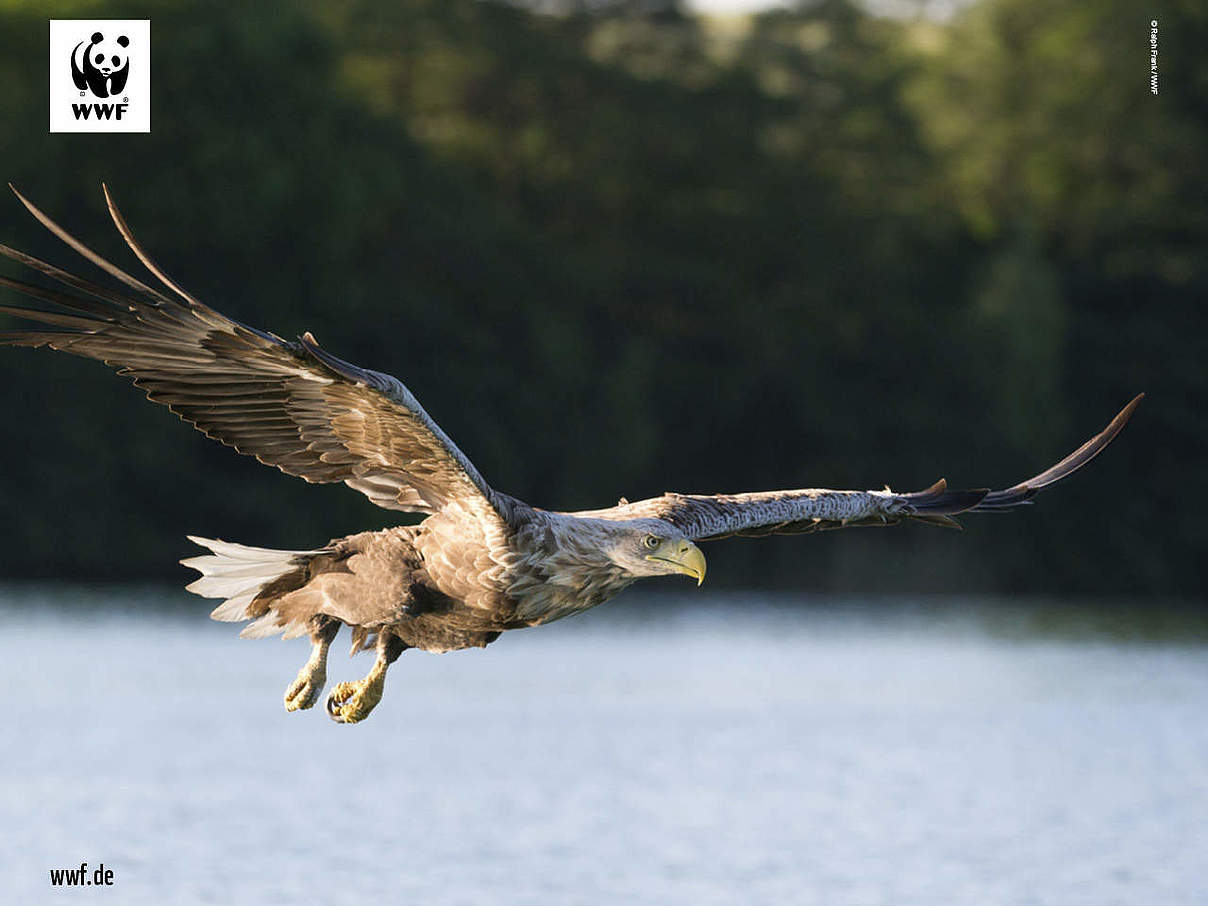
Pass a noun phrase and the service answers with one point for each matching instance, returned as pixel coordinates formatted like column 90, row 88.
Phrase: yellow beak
column 684, row 557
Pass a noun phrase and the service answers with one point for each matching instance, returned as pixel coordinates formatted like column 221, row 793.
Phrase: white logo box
column 100, row 86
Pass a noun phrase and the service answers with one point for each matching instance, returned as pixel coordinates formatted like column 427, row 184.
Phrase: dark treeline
column 619, row 250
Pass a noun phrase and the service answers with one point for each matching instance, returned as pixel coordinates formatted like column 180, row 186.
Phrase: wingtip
column 1116, row 424
column 1026, row 490
column 120, row 222
column 29, row 205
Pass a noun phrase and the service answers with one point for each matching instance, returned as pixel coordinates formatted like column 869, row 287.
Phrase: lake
column 664, row 749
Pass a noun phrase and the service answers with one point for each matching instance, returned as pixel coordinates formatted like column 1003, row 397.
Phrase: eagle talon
column 304, row 691
column 350, row 703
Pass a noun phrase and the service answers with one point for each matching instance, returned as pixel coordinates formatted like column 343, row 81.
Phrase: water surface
column 726, row 749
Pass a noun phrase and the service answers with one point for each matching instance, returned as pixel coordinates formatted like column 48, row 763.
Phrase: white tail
column 237, row 572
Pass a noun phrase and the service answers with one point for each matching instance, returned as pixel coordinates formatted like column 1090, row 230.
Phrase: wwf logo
column 100, row 75
column 100, row 65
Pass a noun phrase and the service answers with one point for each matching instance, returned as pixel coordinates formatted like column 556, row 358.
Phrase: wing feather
column 711, row 517
column 291, row 405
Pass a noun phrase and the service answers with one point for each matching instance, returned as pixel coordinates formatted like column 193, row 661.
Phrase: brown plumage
column 481, row 562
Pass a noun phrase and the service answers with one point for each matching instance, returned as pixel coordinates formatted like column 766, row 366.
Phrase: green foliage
column 619, row 250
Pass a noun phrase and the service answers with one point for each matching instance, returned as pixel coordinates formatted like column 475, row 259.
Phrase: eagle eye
column 652, row 541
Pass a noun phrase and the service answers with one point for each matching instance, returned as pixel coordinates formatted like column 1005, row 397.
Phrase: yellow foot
column 350, row 703
column 304, row 691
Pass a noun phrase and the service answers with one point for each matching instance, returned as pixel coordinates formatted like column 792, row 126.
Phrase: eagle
column 480, row 562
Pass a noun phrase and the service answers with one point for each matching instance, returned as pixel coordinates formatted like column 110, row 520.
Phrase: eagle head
column 652, row 547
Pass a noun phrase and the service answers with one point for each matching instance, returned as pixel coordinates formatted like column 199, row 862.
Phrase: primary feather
column 289, row 404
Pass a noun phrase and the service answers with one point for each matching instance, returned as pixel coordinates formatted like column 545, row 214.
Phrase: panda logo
column 101, row 66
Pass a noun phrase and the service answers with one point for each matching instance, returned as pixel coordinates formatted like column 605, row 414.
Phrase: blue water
column 695, row 750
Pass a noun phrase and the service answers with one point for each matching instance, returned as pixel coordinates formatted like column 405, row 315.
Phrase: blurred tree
column 618, row 249
column 1041, row 118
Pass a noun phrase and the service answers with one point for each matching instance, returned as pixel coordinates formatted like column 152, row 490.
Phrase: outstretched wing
column 290, row 404
column 710, row 517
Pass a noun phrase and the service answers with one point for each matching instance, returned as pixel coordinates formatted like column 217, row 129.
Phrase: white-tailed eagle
column 481, row 562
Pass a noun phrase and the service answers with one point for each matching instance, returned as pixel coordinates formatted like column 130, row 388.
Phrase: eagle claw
column 304, row 691
column 350, row 703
